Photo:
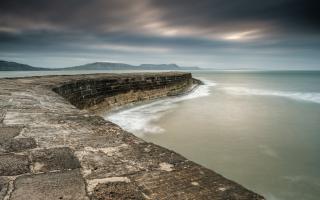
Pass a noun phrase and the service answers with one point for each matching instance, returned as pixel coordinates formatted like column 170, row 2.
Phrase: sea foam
column 302, row 96
column 141, row 119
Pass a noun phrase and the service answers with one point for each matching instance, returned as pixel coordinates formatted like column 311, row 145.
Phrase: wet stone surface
column 54, row 146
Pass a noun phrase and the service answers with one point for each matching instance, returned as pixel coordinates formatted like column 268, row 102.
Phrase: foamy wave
column 141, row 119
column 201, row 91
column 304, row 96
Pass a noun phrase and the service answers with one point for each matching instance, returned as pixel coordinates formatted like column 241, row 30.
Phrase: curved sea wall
column 54, row 146
column 97, row 94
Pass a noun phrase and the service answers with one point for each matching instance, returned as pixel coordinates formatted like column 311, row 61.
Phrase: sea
column 258, row 128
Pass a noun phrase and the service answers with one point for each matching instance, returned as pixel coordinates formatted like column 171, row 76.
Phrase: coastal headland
column 54, row 144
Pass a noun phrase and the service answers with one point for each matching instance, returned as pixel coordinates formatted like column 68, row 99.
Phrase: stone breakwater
column 53, row 145
column 102, row 94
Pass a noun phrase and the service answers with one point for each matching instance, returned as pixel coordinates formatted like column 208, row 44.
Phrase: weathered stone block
column 117, row 190
column 8, row 132
column 66, row 185
column 11, row 164
column 19, row 144
column 45, row 160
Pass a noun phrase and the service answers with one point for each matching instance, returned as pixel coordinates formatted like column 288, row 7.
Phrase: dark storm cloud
column 62, row 14
column 97, row 16
column 285, row 14
column 136, row 29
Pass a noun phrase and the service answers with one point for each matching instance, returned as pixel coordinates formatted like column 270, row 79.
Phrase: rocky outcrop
column 52, row 146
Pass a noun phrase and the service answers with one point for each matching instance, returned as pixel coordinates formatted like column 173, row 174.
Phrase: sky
column 217, row 34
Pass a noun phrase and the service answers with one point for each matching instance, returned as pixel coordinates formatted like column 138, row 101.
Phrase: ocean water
column 258, row 128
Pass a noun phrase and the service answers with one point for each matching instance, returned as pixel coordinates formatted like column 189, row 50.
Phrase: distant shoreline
column 14, row 66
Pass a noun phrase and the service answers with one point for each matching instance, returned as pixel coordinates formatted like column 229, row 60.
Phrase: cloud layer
column 207, row 33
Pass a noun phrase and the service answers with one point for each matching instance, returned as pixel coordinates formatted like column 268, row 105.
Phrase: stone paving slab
column 46, row 160
column 13, row 164
column 117, row 190
column 66, row 185
column 9, row 132
column 18, row 145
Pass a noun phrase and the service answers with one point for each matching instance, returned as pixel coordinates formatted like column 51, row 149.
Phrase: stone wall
column 103, row 94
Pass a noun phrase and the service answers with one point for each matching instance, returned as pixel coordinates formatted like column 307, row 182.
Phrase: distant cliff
column 13, row 66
